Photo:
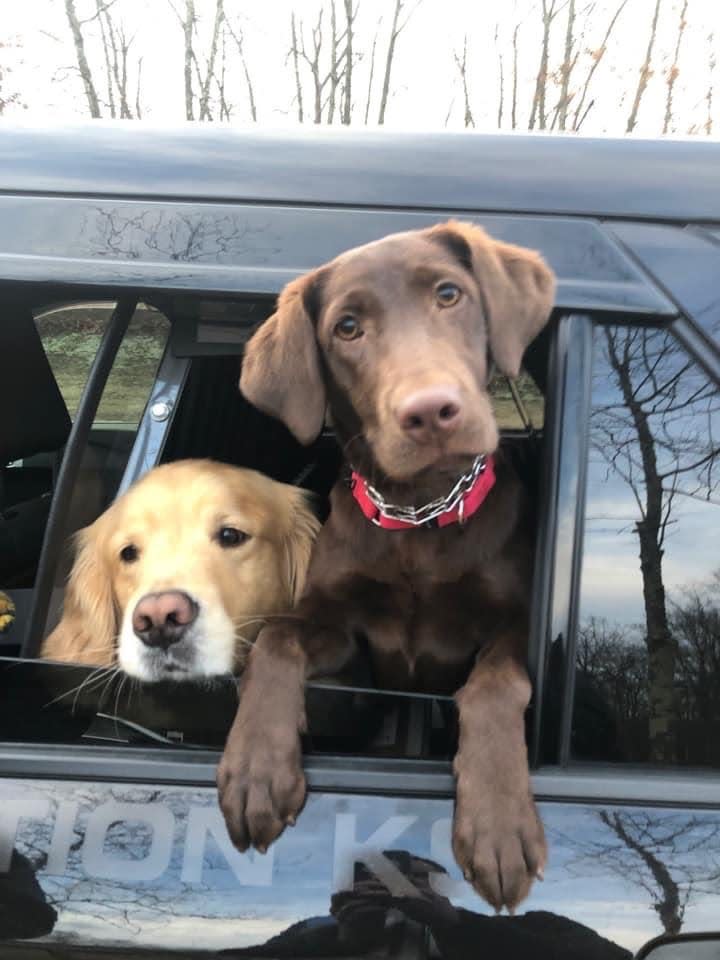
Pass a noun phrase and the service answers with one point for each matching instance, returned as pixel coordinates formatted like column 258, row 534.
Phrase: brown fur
column 440, row 610
column 172, row 515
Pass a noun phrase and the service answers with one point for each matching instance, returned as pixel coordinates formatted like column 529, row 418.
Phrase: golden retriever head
column 174, row 579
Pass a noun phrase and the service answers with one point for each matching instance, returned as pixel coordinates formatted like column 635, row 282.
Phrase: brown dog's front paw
column 498, row 842
column 261, row 787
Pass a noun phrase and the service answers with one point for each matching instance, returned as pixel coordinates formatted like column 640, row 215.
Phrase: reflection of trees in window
column 665, row 854
column 655, row 427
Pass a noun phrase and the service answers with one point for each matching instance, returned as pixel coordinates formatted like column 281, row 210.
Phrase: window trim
column 596, row 783
column 69, row 469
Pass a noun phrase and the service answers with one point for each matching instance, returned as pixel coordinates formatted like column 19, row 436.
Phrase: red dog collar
column 466, row 497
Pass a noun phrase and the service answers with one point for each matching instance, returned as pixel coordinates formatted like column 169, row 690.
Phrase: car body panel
column 131, row 864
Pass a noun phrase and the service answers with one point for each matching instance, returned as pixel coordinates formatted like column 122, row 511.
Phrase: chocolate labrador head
column 398, row 338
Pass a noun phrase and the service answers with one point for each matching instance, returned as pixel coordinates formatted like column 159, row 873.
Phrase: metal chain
column 417, row 516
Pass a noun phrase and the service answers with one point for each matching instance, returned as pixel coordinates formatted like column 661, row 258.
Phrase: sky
column 425, row 92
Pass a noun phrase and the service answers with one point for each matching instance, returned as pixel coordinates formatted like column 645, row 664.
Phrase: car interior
column 66, row 703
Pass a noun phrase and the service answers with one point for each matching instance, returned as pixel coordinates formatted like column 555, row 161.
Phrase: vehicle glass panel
column 70, row 336
column 648, row 645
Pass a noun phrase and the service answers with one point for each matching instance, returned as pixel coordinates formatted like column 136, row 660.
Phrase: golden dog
column 175, row 579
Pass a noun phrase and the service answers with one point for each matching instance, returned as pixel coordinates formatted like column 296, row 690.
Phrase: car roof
column 630, row 178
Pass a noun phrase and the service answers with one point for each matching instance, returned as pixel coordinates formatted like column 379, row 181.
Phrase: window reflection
column 649, row 636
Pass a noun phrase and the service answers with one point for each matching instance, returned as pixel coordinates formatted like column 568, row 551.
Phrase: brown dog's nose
column 161, row 619
column 430, row 414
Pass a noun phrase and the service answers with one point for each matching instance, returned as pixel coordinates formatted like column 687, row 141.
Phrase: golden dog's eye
column 348, row 328
column 129, row 554
column 231, row 537
column 447, row 294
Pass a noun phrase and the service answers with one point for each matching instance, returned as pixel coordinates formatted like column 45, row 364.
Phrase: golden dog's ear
column 301, row 531
column 86, row 633
column 517, row 286
column 281, row 372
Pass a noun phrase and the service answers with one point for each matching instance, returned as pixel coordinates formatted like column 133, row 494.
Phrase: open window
column 163, row 404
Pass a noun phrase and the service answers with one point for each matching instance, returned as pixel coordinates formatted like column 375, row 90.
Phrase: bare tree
column 513, row 109
column 657, row 852
column 395, row 31
column 106, row 28
column 645, row 70
column 82, row 61
column 461, row 64
column 501, row 79
column 711, row 78
column 210, row 69
column 654, row 430
column 674, row 70
column 239, row 40
column 371, row 77
column 597, row 56
column 295, row 53
column 347, row 92
column 566, row 69
column 538, row 114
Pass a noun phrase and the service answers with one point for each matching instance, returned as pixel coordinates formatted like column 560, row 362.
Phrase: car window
column 648, row 644
column 517, row 404
column 71, row 335
column 61, row 358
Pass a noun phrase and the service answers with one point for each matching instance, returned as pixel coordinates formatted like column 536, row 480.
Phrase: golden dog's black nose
column 161, row 619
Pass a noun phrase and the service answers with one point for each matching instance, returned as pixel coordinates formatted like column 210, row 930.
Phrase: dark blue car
column 134, row 265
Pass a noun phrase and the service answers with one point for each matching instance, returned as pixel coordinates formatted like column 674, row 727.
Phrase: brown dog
column 396, row 337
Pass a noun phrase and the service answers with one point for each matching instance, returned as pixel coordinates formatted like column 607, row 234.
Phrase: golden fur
column 172, row 516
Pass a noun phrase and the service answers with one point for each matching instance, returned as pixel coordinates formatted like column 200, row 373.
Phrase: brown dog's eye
column 348, row 328
column 129, row 554
column 447, row 294
column 231, row 537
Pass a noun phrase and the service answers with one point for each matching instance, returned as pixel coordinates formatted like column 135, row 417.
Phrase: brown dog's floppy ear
column 86, row 633
column 281, row 367
column 516, row 284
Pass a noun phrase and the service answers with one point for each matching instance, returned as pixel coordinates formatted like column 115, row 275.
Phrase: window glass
column 71, row 335
column 648, row 658
column 69, row 338
column 516, row 412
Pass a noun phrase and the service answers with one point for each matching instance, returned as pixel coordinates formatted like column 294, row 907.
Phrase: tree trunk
column 501, row 72
column 566, row 69
column 538, row 113
column 667, row 905
column 662, row 648
column 394, row 31
column 513, row 109
column 370, row 81
column 347, row 104
column 598, row 55
column 645, row 71
column 296, row 66
column 709, row 94
column 674, row 69
column 210, row 71
column 188, row 28
column 83, row 65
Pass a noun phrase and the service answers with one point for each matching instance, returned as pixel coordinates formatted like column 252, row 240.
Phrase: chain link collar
column 419, row 516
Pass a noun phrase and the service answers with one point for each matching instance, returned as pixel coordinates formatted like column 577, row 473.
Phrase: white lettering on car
column 99, row 862
column 254, row 870
column 349, row 851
